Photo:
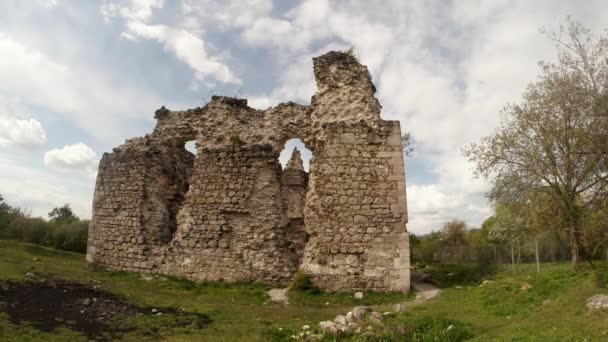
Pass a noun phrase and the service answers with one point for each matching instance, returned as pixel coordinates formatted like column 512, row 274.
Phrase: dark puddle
column 97, row 314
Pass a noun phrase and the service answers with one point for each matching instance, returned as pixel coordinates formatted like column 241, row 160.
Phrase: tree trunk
column 518, row 252
column 496, row 260
column 574, row 247
column 512, row 258
column 537, row 256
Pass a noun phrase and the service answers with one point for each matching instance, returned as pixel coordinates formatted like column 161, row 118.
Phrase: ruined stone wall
column 230, row 213
column 356, row 211
column 231, row 225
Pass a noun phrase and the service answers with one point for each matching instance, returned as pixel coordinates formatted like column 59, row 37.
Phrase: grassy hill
column 525, row 306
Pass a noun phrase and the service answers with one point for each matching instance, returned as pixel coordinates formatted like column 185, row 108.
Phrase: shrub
column 601, row 276
column 449, row 275
column 303, row 283
column 405, row 327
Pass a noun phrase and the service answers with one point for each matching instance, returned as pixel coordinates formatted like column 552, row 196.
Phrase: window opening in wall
column 295, row 160
column 181, row 172
column 287, row 151
column 191, row 146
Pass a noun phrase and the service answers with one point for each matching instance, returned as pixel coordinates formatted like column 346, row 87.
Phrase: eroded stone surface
column 230, row 213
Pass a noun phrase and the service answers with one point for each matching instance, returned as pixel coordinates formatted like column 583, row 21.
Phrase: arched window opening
column 295, row 145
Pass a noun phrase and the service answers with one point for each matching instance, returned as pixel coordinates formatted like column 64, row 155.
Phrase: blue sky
column 79, row 77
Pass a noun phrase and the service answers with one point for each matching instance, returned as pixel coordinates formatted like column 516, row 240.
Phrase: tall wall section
column 356, row 209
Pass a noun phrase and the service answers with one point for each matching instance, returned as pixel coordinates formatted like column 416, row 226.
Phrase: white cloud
column 25, row 133
column 182, row 42
column 186, row 47
column 17, row 128
column 138, row 10
column 77, row 157
column 92, row 99
column 227, row 14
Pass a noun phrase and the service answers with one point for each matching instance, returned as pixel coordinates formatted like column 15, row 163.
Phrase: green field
column 549, row 307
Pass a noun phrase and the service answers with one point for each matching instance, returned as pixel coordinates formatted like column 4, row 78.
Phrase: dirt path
column 424, row 291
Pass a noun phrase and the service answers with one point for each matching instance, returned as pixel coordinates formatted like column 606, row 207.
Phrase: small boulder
column 485, row 282
column 341, row 319
column 598, row 301
column 328, row 327
column 375, row 317
column 350, row 317
column 359, row 312
column 358, row 295
column 399, row 308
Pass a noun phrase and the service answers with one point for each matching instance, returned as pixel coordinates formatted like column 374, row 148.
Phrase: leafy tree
column 4, row 213
column 63, row 214
column 556, row 140
column 454, row 237
column 506, row 227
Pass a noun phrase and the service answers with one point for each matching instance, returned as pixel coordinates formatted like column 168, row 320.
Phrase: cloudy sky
column 79, row 77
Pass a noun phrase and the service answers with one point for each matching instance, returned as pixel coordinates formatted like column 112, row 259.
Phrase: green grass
column 549, row 307
column 240, row 311
column 552, row 309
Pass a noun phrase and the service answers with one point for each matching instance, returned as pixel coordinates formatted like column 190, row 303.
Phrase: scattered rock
column 375, row 317
column 358, row 295
column 328, row 327
column 399, row 307
column 30, row 275
column 154, row 311
column 146, row 277
column 598, row 301
column 278, row 295
column 306, row 327
column 359, row 312
column 350, row 317
column 87, row 301
column 341, row 319
column 485, row 282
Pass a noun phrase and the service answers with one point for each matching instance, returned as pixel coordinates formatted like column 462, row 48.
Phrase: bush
column 438, row 329
column 601, row 276
column 405, row 327
column 303, row 283
column 449, row 275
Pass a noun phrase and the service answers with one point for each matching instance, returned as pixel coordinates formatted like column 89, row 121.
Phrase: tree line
column 63, row 230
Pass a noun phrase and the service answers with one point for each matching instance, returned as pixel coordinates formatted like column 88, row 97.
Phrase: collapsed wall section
column 140, row 187
column 232, row 224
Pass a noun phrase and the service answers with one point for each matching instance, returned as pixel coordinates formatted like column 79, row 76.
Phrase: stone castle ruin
column 230, row 213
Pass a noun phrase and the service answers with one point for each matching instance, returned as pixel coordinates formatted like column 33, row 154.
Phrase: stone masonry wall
column 356, row 210
column 230, row 213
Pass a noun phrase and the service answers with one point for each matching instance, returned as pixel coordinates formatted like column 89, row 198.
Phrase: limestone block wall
column 231, row 224
column 356, row 210
column 230, row 213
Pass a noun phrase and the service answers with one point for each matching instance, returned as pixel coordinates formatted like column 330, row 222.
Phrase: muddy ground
column 84, row 308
